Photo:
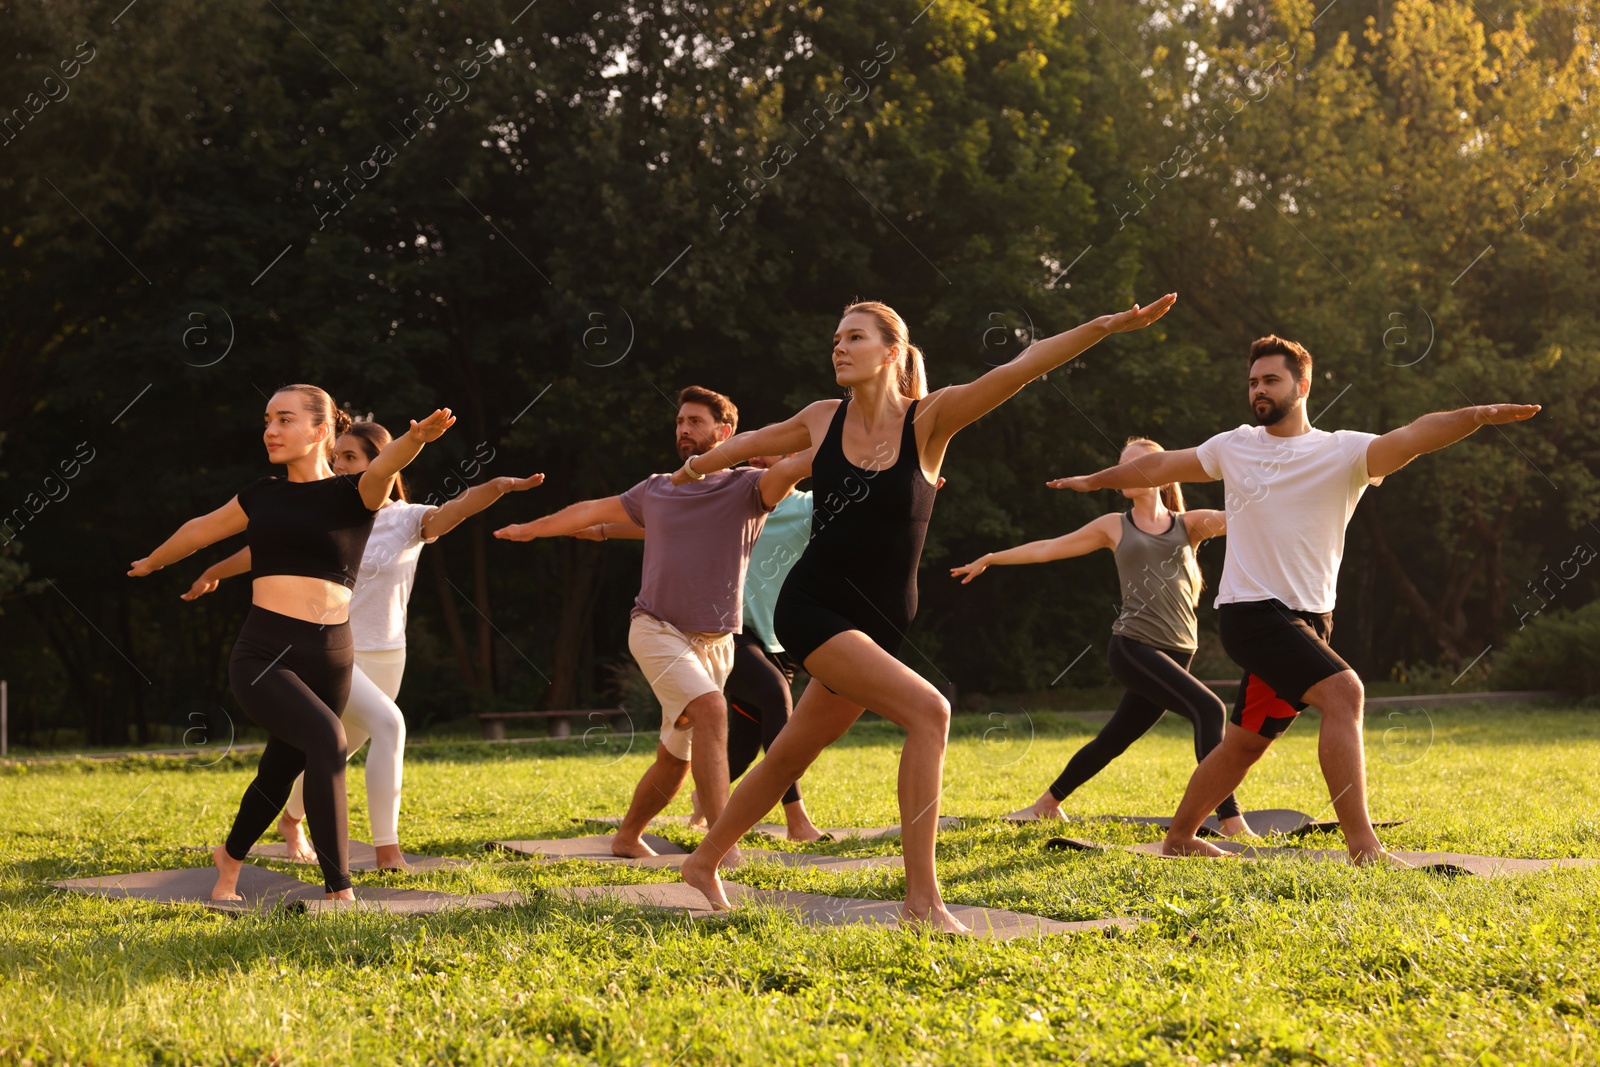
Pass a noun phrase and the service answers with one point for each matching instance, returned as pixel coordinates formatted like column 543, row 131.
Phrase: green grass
column 1271, row 962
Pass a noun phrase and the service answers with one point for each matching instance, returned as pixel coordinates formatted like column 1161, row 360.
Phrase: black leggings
column 759, row 702
column 1157, row 680
column 292, row 678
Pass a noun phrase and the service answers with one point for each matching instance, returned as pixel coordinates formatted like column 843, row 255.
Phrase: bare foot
column 698, row 822
column 294, row 835
column 800, row 827
column 936, row 918
column 1236, row 827
column 1192, row 846
column 390, row 858
column 343, row 894
column 697, row 817
column 227, row 887
column 631, row 847
column 701, row 873
column 731, row 859
column 1046, row 807
column 1379, row 857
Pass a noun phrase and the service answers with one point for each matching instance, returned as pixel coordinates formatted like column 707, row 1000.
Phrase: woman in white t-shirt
column 378, row 625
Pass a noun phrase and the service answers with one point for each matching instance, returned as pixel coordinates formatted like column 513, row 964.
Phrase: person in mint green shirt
column 758, row 690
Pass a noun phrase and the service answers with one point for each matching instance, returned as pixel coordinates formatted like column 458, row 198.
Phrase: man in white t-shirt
column 1290, row 489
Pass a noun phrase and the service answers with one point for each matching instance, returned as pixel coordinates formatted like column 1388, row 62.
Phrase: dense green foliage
column 1272, row 963
column 551, row 216
column 1560, row 650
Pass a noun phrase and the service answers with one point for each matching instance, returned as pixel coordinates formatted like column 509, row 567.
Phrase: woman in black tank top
column 290, row 667
column 844, row 608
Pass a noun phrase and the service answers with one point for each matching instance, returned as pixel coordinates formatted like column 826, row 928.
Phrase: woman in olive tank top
column 1153, row 640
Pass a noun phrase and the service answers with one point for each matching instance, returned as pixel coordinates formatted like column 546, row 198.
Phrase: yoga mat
column 836, row 833
column 1436, row 862
column 363, row 857
column 810, row 909
column 1332, row 826
column 597, row 849
column 771, row 829
column 1266, row 821
column 262, row 888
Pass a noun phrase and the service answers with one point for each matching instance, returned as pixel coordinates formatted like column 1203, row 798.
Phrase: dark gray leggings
column 292, row 678
column 759, row 703
column 1157, row 681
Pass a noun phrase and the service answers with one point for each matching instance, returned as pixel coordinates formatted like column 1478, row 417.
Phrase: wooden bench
column 493, row 723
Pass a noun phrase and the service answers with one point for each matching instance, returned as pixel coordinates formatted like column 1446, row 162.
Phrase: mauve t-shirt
column 697, row 546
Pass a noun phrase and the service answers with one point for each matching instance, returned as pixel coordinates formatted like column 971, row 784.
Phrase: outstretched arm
column 569, row 520
column 1204, row 524
column 446, row 517
column 1147, row 472
column 779, row 439
column 781, row 478
column 192, row 536
column 956, row 406
column 212, row 576
column 1101, row 533
column 378, row 479
column 611, row 531
column 1432, row 432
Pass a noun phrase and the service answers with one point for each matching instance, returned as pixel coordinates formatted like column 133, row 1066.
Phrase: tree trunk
column 1442, row 633
column 582, row 568
column 480, row 593
column 452, row 619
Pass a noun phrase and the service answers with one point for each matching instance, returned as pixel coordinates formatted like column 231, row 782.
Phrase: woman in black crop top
column 845, row 606
column 290, row 668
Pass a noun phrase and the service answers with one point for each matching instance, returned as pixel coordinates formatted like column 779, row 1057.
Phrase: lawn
column 1272, row 962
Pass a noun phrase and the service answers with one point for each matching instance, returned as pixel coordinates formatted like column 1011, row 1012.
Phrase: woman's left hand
column 508, row 484
column 432, row 427
column 1137, row 318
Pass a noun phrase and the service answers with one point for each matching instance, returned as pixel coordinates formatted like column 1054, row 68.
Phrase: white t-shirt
column 1288, row 502
column 388, row 568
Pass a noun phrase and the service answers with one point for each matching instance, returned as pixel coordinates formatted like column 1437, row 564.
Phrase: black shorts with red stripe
column 1284, row 652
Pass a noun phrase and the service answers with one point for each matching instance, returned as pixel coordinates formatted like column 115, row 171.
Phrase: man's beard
column 1277, row 410
column 688, row 449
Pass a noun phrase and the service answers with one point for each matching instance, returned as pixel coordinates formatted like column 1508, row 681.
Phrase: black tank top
column 867, row 529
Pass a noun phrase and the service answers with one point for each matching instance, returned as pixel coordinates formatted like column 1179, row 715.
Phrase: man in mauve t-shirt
column 697, row 546
column 1290, row 491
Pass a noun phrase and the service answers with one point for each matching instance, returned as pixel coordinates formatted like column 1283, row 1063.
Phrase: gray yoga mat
column 812, row 909
column 597, row 849
column 262, row 888
column 837, row 833
column 1265, row 821
column 363, row 857
column 1436, row 862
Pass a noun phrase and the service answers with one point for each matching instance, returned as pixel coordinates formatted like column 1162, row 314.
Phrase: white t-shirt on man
column 388, row 569
column 1288, row 502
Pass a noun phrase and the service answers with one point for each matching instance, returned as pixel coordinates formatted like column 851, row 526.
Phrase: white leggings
column 372, row 712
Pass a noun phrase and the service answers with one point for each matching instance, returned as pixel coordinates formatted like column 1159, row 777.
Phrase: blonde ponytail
column 912, row 374
column 1172, row 500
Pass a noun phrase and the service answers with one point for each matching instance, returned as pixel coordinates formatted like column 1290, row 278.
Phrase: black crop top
column 314, row 529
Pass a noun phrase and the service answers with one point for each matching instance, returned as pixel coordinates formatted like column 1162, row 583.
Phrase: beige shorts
column 680, row 667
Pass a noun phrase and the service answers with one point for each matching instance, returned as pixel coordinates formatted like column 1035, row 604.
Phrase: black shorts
column 1283, row 652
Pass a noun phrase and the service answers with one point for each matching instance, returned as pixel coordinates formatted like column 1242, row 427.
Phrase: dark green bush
column 1558, row 650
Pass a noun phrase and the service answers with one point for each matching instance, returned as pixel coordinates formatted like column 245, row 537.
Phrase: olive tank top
column 1158, row 592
